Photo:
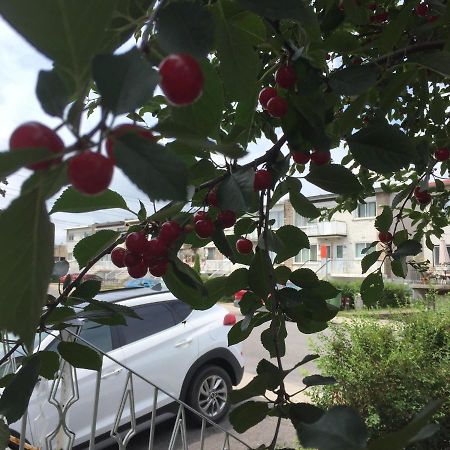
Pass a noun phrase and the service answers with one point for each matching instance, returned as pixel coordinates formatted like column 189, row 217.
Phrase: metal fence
column 64, row 393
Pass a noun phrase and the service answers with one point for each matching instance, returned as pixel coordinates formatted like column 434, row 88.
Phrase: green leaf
column 382, row 148
column 72, row 201
column 185, row 27
column 4, row 435
column 304, row 278
column 397, row 82
column 281, row 9
column 259, row 274
column 124, row 81
column 384, row 221
column 186, row 285
column 157, row 171
column 216, row 288
column 254, row 388
column 49, row 181
column 244, row 226
column 236, row 192
column 250, row 303
column 80, row 356
column 239, row 63
column 91, row 246
column 239, row 332
column 52, row 92
column 438, row 61
column 252, row 25
column 293, row 240
column 393, row 30
column 398, row 440
column 399, row 267
column 318, row 380
column 167, row 211
column 222, row 244
column 304, row 413
column 48, row 363
column 340, row 428
column 354, row 80
column 334, row 178
column 369, row 260
column 348, row 119
column 341, row 41
column 248, row 415
column 61, row 30
column 26, row 241
column 274, row 338
column 203, row 116
column 11, row 161
column 407, row 248
column 15, row 397
column 87, row 290
column 282, row 274
column 113, row 307
column 237, row 280
column 372, row 288
column 300, row 203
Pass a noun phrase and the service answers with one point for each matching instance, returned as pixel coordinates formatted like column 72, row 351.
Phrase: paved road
column 297, row 348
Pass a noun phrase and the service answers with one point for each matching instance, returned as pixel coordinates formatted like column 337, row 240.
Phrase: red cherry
column 385, row 237
column 125, row 128
column 263, row 180
column 204, row 228
column 159, row 269
column 356, row 61
column 200, row 215
column 138, row 271
column 301, row 157
column 423, row 197
column 442, row 154
column 244, row 246
column 118, row 256
column 381, row 17
column 265, row 95
column 90, row 173
column 211, row 198
column 328, row 56
column 286, row 77
column 136, row 242
column 156, row 248
column 277, row 107
column 181, row 79
column 132, row 259
column 169, row 232
column 320, row 158
column 36, row 135
column 226, row 218
column 422, row 10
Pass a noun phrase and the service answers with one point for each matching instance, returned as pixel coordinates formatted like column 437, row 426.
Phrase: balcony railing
column 64, row 395
column 334, row 228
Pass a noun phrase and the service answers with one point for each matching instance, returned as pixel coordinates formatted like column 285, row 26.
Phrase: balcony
column 334, row 228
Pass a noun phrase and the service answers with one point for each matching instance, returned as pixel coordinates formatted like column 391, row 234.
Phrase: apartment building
column 336, row 246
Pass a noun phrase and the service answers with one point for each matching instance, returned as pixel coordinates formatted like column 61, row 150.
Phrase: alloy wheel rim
column 212, row 395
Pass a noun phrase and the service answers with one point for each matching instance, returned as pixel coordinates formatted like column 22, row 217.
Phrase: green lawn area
column 442, row 305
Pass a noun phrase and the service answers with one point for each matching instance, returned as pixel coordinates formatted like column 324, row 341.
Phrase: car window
column 98, row 335
column 154, row 318
column 181, row 309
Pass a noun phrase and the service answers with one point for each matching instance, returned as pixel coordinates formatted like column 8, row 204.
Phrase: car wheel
column 210, row 394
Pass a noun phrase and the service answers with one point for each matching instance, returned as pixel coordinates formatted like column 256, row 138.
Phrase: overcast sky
column 20, row 64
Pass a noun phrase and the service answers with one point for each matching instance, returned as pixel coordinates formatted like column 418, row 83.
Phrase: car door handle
column 185, row 342
column 110, row 374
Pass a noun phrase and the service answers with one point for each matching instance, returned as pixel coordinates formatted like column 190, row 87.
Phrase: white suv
column 182, row 351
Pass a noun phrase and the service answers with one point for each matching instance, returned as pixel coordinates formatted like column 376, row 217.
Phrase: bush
column 389, row 372
column 394, row 295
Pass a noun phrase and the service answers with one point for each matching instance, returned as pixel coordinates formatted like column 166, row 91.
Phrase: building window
column 359, row 247
column 278, row 216
column 303, row 222
column 339, row 251
column 307, row 254
column 210, row 253
column 70, row 237
column 436, row 254
column 69, row 256
column 366, row 210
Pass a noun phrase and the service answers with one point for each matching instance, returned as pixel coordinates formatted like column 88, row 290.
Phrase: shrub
column 389, row 372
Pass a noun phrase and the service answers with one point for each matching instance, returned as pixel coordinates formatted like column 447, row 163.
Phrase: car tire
column 209, row 394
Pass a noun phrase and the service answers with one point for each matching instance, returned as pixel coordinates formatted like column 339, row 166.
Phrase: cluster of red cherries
column 142, row 255
column 181, row 80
